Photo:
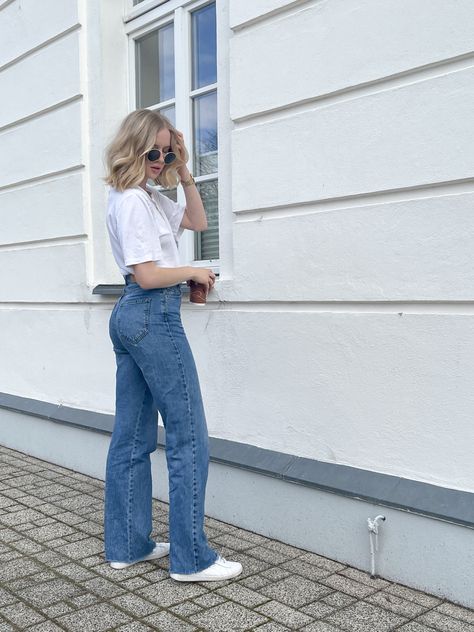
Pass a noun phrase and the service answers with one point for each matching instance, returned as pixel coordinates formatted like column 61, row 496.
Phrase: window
column 175, row 68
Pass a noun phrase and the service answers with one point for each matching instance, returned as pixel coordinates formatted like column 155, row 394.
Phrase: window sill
column 114, row 289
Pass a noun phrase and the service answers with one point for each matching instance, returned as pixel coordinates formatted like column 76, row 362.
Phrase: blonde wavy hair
column 125, row 158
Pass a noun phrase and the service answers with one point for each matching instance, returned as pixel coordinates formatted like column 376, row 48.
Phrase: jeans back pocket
column 133, row 318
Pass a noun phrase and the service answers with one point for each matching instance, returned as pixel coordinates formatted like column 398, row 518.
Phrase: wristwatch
column 189, row 181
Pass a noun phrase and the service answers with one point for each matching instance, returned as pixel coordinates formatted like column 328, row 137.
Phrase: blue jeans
column 155, row 372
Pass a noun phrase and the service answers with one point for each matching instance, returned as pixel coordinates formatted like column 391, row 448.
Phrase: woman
column 155, row 366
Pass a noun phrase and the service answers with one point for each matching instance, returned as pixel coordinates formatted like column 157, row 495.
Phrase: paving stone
column 362, row 617
column 271, row 626
column 349, row 586
column 185, row 609
column 12, row 555
column 166, row 622
column 338, row 599
column 50, row 592
column 156, row 575
column 250, row 565
column 441, row 622
column 284, row 614
column 256, row 538
column 396, row 604
column 56, row 543
column 21, row 615
column 458, row 612
column 227, row 616
column 47, row 626
column 422, row 598
column 275, row 573
column 57, row 609
column 135, row 605
column 323, row 562
column 254, row 582
column 91, row 528
column 6, row 597
column 70, row 518
column 28, row 547
column 208, row 600
column 8, row 535
column 262, row 553
column 20, row 517
column 75, row 571
column 50, row 558
column 76, row 536
column 135, row 626
column 230, row 540
column 93, row 560
column 82, row 601
column 322, row 626
column 96, row 618
column 310, row 571
column 364, row 578
column 169, row 592
column 282, row 547
column 242, row 595
column 295, row 591
column 30, row 580
column 102, row 587
column 134, row 582
column 81, row 549
column 6, row 627
column 18, row 568
column 412, row 626
column 318, row 609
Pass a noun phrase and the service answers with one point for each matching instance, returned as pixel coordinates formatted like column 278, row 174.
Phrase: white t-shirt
column 143, row 228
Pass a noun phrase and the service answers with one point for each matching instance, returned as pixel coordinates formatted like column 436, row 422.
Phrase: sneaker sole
column 187, row 578
column 121, row 565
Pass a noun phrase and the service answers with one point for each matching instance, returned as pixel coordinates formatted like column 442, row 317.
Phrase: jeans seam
column 193, row 438
column 130, row 480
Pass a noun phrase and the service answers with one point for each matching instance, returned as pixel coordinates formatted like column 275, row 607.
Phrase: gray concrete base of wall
column 424, row 553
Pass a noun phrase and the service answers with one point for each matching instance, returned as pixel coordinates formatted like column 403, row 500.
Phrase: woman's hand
column 182, row 171
column 204, row 276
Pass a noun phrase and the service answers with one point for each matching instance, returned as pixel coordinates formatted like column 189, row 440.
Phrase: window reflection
column 205, row 133
column 155, row 67
column 204, row 46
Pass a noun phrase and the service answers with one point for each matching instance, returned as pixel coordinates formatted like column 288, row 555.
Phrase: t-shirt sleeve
column 174, row 211
column 137, row 231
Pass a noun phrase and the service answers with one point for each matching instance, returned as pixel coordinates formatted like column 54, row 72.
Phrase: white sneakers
column 220, row 570
column 161, row 549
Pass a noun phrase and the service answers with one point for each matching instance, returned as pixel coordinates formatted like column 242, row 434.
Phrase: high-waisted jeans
column 155, row 372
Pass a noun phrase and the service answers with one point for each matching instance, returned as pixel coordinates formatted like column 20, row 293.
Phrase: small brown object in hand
column 198, row 292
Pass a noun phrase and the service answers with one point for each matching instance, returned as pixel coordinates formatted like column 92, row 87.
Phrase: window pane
column 155, row 67
column 205, row 133
column 169, row 112
column 207, row 242
column 204, row 46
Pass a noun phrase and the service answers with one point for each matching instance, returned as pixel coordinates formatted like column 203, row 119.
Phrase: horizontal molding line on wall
column 39, row 113
column 46, row 242
column 358, row 91
column 426, row 190
column 393, row 308
column 44, row 177
column 449, row 505
column 43, row 44
column 278, row 13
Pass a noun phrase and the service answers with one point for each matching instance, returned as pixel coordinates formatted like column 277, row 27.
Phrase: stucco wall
column 344, row 327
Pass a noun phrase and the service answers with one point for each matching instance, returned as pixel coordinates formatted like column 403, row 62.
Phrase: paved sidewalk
column 53, row 575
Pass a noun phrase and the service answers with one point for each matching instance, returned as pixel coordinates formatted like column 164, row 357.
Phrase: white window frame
column 140, row 20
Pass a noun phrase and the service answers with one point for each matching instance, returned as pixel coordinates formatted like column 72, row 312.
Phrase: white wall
column 344, row 331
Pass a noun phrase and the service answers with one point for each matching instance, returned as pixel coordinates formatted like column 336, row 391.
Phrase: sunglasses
column 154, row 154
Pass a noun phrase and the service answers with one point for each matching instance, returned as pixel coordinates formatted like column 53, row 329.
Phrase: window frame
column 144, row 18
